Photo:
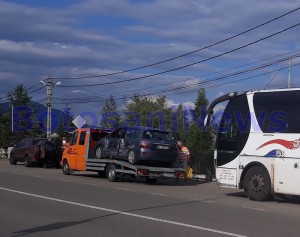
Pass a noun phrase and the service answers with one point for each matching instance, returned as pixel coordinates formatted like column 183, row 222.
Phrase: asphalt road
column 43, row 202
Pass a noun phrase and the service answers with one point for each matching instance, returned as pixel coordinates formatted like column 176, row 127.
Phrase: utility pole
column 49, row 84
column 289, row 79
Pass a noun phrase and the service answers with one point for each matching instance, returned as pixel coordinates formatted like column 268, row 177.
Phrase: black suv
column 139, row 145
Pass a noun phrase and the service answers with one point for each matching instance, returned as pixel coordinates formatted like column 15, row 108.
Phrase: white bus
column 258, row 142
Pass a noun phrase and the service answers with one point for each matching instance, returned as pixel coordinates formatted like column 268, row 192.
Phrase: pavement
column 43, row 202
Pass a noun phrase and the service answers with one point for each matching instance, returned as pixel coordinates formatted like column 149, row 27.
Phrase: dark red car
column 35, row 151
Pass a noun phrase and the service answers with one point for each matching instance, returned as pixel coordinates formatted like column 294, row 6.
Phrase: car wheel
column 66, row 168
column 99, row 153
column 27, row 161
column 112, row 173
column 132, row 159
column 12, row 160
column 257, row 184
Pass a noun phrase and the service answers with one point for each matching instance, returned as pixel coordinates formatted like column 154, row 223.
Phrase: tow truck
column 79, row 155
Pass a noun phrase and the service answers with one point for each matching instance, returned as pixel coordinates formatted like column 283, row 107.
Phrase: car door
column 17, row 150
column 113, row 143
column 125, row 143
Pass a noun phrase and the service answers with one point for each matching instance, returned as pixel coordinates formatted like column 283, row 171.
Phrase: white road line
column 89, row 184
column 38, row 176
column 124, row 213
column 159, row 194
column 254, row 208
column 124, row 189
column 63, row 180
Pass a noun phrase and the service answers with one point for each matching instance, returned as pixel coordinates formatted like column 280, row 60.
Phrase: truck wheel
column 27, row 161
column 12, row 160
column 132, row 159
column 99, row 154
column 66, row 168
column 112, row 173
column 257, row 184
column 151, row 180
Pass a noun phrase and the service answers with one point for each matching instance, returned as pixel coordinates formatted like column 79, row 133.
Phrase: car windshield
column 39, row 142
column 157, row 135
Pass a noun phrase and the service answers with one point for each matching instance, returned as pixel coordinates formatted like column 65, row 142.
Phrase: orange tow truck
column 79, row 155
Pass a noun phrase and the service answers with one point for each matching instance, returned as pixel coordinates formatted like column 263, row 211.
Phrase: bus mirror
column 207, row 120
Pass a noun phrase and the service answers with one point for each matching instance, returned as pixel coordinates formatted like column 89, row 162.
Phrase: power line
column 188, row 65
column 186, row 54
column 174, row 83
column 204, row 82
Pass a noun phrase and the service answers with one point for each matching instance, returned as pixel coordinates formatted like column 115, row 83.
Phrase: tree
column 19, row 96
column 110, row 117
column 151, row 112
column 200, row 140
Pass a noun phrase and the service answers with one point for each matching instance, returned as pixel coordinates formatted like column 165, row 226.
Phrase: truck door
column 71, row 150
column 82, row 148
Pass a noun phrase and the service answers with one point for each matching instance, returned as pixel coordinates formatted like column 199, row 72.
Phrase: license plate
column 168, row 174
column 162, row 147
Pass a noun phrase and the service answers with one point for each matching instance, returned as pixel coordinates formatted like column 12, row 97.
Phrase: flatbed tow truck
column 79, row 155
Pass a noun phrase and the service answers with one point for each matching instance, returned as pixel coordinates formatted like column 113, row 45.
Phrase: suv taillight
column 144, row 144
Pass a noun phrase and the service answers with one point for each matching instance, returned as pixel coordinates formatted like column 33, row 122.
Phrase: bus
column 258, row 142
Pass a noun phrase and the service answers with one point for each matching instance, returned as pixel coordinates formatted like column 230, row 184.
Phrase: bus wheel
column 66, row 168
column 112, row 173
column 257, row 184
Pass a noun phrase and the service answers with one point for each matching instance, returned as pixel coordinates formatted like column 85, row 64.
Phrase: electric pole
column 289, row 80
column 49, row 84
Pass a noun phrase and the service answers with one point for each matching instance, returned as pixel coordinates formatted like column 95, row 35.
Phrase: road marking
column 124, row 213
column 63, row 180
column 89, row 184
column 254, row 208
column 38, row 176
column 124, row 189
column 159, row 194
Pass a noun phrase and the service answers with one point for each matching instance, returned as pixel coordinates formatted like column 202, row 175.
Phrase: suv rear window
column 157, row 135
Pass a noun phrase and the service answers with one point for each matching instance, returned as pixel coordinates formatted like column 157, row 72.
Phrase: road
column 43, row 202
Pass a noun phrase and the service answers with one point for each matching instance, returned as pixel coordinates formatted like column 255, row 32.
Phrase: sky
column 88, row 44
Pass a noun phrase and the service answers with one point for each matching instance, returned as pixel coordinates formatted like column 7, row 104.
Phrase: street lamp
column 49, row 84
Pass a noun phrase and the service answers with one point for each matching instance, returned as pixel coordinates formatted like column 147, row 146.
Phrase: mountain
column 36, row 108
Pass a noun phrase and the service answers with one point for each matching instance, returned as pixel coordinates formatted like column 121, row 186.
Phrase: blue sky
column 81, row 38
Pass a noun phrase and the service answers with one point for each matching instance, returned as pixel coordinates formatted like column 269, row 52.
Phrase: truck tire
column 66, row 168
column 132, row 159
column 99, row 153
column 257, row 184
column 111, row 173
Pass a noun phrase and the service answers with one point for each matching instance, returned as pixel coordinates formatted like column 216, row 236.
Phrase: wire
column 188, row 65
column 203, row 82
column 183, row 55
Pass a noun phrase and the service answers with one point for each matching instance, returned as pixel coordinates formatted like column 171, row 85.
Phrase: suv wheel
column 99, row 154
column 132, row 159
column 12, row 161
column 27, row 161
